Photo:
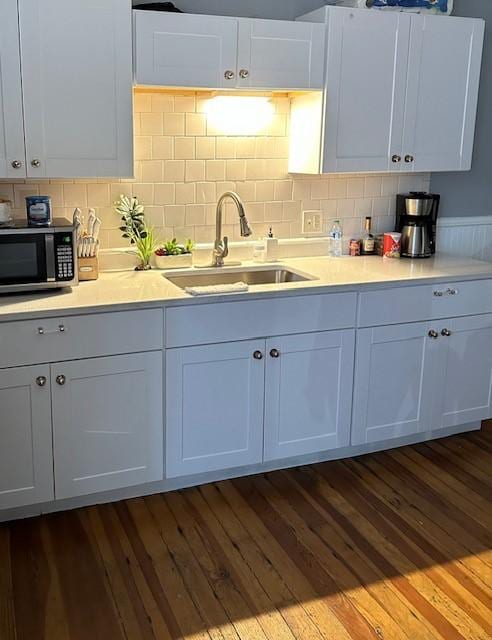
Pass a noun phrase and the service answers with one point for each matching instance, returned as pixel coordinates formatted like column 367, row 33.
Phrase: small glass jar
column 5, row 212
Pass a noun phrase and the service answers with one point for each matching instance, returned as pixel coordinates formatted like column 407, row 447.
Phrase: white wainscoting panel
column 471, row 237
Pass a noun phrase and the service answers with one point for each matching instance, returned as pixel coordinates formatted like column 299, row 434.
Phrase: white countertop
column 127, row 289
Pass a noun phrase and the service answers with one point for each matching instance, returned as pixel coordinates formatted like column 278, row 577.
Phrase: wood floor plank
column 389, row 546
column 162, row 570
column 7, row 615
column 385, row 544
column 423, row 531
column 449, row 580
column 261, row 565
column 220, row 574
column 434, row 473
column 212, row 612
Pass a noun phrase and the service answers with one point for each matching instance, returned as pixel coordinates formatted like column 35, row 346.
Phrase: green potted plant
column 135, row 229
column 172, row 255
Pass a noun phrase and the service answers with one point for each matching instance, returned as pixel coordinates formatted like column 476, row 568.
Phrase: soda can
column 392, row 245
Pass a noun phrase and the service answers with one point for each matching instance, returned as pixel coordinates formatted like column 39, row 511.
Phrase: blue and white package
column 436, row 6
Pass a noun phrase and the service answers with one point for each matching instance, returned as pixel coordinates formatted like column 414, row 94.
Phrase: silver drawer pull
column 452, row 292
column 433, row 334
column 60, row 380
column 438, row 294
column 446, row 333
column 41, row 381
column 42, row 331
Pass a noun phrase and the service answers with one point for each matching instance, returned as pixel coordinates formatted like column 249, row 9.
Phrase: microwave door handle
column 49, row 240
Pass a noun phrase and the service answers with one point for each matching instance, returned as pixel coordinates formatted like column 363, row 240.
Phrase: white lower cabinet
column 308, row 393
column 214, row 407
column 107, row 423
column 240, row 403
column 422, row 376
column 395, row 382
column 467, row 388
column 26, row 460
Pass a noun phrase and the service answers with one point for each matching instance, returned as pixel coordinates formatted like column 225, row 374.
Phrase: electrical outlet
column 311, row 222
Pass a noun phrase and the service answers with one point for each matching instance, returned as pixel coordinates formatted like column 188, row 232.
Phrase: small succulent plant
column 135, row 229
column 172, row 248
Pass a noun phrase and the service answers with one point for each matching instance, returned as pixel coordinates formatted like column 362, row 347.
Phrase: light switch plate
column 311, row 222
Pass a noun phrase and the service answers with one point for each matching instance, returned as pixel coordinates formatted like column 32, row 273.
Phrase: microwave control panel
column 64, row 256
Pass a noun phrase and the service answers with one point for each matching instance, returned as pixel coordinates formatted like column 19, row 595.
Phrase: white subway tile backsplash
column 181, row 170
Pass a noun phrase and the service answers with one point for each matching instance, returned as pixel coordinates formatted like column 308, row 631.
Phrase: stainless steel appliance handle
column 49, row 243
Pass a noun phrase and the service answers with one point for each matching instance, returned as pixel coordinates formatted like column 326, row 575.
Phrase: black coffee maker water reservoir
column 416, row 220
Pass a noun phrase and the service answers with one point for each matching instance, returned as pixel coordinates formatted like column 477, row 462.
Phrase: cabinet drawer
column 428, row 302
column 232, row 321
column 74, row 337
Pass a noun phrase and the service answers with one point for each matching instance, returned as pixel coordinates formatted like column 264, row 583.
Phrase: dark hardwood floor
column 386, row 546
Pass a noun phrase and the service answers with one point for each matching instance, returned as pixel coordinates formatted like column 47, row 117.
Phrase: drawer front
column 428, row 302
column 231, row 321
column 74, row 337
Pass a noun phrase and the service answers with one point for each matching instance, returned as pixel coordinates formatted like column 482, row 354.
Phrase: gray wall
column 470, row 193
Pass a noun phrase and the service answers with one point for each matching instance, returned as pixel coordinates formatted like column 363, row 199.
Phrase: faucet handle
column 225, row 247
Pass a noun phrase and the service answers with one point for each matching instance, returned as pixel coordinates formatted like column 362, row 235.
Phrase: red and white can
column 392, row 245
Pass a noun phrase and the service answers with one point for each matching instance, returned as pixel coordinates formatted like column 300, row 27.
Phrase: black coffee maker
column 416, row 220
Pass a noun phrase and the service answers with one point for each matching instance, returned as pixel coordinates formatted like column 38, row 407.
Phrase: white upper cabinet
column 401, row 93
column 186, row 50
column 275, row 53
column 77, row 82
column 442, row 92
column 365, row 81
column 12, row 153
column 181, row 50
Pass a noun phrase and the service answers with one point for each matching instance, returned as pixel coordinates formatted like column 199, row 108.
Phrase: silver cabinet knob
column 396, row 158
column 244, row 73
column 409, row 158
column 433, row 334
column 41, row 381
column 229, row 75
column 275, row 353
column 61, row 328
column 16, row 164
column 41, row 331
column 446, row 333
column 257, row 355
column 35, row 163
column 60, row 380
column 438, row 294
column 452, row 292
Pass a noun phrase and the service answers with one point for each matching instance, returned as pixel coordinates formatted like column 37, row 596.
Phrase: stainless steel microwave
column 34, row 258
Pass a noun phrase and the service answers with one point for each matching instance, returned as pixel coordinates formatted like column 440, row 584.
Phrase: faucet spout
column 221, row 245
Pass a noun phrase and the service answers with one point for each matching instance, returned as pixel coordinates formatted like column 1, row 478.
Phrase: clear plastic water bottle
column 336, row 235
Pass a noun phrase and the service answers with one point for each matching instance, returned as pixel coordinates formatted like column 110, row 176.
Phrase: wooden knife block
column 88, row 269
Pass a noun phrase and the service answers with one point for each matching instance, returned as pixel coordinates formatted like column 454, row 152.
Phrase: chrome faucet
column 221, row 245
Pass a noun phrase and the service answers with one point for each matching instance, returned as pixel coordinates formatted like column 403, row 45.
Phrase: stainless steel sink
column 270, row 275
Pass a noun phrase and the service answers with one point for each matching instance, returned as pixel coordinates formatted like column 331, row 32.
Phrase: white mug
column 5, row 211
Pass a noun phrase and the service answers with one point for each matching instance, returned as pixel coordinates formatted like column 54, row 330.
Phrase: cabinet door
column 184, row 50
column 276, row 54
column 468, row 371
column 12, row 153
column 442, row 92
column 26, row 459
column 77, row 82
column 214, row 407
column 365, row 94
column 308, row 393
column 107, row 423
column 398, row 380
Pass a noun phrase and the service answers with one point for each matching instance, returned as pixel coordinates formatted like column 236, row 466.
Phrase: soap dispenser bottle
column 271, row 247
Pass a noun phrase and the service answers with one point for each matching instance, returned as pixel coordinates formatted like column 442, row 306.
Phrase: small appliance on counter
column 33, row 258
column 416, row 220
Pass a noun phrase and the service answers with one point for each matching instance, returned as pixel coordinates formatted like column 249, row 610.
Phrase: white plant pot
column 174, row 262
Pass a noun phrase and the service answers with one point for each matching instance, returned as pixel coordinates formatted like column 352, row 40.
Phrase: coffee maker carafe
column 416, row 219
